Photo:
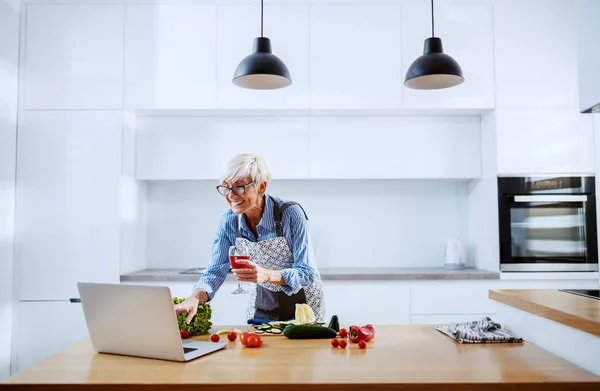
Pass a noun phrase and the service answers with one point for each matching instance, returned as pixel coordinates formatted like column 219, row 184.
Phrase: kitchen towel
column 479, row 331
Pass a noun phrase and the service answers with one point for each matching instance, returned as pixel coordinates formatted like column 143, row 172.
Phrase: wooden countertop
column 569, row 309
column 399, row 358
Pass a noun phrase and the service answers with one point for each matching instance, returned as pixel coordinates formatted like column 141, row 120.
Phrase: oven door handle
column 551, row 198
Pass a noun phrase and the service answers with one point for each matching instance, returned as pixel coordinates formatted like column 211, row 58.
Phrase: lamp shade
column 262, row 70
column 434, row 69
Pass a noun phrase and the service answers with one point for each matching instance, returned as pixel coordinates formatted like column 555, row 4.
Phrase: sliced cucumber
column 275, row 331
column 259, row 332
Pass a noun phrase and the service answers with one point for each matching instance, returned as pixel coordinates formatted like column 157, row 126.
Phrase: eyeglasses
column 238, row 190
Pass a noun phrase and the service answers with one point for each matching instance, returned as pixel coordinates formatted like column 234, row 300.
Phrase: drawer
column 430, row 300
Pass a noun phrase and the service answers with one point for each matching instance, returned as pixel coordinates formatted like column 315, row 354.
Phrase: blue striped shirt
column 295, row 231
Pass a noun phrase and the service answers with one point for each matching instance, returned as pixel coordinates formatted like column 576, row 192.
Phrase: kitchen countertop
column 399, row 358
column 335, row 274
column 576, row 311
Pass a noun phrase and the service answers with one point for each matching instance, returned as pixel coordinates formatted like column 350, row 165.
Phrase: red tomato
column 334, row 343
column 254, row 341
column 362, row 344
column 343, row 343
column 215, row 337
column 232, row 336
column 343, row 333
column 244, row 338
column 184, row 334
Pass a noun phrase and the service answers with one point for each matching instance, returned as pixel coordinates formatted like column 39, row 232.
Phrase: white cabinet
column 287, row 28
column 544, row 141
column 395, row 147
column 451, row 299
column 68, row 189
column 355, row 57
column 466, row 31
column 198, row 147
column 170, row 57
column 45, row 328
column 362, row 302
column 74, row 57
column 536, row 55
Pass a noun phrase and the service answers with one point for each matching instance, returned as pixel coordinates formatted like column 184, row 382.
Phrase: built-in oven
column 547, row 224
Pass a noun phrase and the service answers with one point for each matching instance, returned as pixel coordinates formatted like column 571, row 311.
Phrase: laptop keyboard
column 187, row 350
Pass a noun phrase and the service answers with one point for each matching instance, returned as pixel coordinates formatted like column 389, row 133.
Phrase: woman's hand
column 252, row 273
column 189, row 305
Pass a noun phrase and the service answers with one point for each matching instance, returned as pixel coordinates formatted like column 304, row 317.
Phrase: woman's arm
column 210, row 282
column 303, row 272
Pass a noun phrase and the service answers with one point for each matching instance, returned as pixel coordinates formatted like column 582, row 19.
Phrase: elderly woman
column 275, row 232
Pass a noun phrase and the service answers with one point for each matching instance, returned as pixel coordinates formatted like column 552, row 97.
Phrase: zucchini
column 334, row 323
column 302, row 331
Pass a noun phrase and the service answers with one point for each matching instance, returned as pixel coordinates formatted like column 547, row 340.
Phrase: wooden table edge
column 544, row 311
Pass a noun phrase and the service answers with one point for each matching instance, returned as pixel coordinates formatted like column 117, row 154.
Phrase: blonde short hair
column 247, row 165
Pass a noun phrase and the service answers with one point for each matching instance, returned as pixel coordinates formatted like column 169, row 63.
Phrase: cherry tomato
column 334, row 343
column 343, row 343
column 254, row 341
column 244, row 338
column 215, row 337
column 184, row 334
column 343, row 333
column 362, row 344
column 232, row 336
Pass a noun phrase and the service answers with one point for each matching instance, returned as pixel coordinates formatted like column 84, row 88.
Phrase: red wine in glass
column 234, row 258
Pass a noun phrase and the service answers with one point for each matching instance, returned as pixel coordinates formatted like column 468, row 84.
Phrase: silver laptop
column 137, row 320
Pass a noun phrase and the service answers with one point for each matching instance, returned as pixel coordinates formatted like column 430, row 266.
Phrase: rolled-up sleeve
column 218, row 266
column 303, row 271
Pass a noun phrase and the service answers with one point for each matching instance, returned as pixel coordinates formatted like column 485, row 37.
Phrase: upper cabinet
column 436, row 147
column 536, row 55
column 197, row 147
column 74, row 57
column 170, row 57
column 544, row 141
column 466, row 31
column 355, row 57
column 287, row 27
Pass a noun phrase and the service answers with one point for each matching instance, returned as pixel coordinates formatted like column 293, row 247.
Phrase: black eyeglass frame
column 229, row 189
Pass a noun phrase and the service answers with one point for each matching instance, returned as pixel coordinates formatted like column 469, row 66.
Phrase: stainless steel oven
column 547, row 224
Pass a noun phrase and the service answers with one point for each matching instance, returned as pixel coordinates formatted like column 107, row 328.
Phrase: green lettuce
column 200, row 323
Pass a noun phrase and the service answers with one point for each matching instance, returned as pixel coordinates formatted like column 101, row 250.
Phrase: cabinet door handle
column 75, row 300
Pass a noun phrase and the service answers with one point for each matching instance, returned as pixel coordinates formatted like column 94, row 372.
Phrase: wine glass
column 234, row 256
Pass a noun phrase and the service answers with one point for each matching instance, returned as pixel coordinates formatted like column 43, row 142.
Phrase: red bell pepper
column 364, row 333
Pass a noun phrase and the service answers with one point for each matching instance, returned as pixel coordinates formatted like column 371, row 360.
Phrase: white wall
column 354, row 223
column 9, row 54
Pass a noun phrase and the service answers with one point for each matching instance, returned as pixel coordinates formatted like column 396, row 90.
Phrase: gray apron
column 267, row 300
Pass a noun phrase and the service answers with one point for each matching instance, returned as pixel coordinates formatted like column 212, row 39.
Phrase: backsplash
column 353, row 223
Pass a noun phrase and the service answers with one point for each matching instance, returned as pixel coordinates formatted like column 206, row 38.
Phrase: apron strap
column 278, row 213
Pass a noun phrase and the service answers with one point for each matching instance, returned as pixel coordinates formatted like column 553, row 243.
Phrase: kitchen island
column 563, row 323
column 399, row 358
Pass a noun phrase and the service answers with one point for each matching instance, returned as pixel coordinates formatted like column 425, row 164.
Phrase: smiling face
column 249, row 203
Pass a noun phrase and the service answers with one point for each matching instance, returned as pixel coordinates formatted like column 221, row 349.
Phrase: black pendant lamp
column 434, row 69
column 262, row 70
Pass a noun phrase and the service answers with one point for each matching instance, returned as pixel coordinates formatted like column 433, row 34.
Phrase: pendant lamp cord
column 261, row 18
column 432, row 21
